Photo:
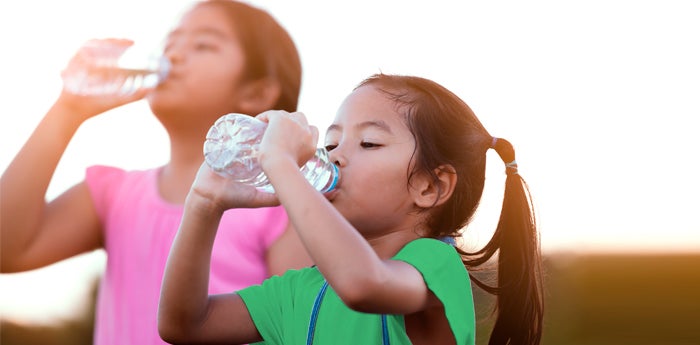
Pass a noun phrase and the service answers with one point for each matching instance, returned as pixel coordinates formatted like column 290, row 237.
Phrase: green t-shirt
column 281, row 306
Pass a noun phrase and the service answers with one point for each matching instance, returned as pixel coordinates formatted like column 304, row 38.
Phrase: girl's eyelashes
column 363, row 144
column 204, row 46
column 369, row 145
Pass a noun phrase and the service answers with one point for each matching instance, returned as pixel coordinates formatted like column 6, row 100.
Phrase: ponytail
column 447, row 132
column 519, row 307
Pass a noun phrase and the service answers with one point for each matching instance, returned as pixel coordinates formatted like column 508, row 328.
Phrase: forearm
column 25, row 181
column 327, row 235
column 365, row 280
column 184, row 293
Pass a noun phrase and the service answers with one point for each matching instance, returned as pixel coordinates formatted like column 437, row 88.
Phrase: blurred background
column 600, row 99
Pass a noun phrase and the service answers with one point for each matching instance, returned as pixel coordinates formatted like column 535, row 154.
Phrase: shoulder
column 439, row 263
column 292, row 280
column 100, row 171
column 103, row 181
column 283, row 291
column 431, row 248
column 106, row 183
column 446, row 276
column 108, row 174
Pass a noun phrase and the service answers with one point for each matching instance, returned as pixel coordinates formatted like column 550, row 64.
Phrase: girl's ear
column 429, row 193
column 259, row 95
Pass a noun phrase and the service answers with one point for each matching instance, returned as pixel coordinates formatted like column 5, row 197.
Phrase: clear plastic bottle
column 231, row 149
column 110, row 68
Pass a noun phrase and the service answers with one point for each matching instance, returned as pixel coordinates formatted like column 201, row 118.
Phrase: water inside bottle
column 111, row 73
column 322, row 174
column 112, row 80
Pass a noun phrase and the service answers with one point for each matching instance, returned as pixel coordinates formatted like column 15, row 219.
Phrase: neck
column 387, row 245
column 178, row 174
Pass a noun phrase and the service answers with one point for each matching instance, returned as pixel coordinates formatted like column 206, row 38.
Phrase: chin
column 330, row 196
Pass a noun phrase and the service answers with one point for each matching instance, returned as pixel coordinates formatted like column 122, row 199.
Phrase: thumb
column 314, row 134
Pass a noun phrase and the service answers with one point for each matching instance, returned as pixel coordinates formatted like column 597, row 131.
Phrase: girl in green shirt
column 389, row 270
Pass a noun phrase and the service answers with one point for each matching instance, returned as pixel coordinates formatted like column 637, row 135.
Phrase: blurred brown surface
column 601, row 299
column 623, row 299
column 606, row 299
column 70, row 332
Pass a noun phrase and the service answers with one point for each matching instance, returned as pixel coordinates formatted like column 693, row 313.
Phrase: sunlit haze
column 600, row 98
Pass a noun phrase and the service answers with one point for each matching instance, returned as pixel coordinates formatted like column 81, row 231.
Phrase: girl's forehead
column 369, row 105
column 205, row 20
column 368, row 101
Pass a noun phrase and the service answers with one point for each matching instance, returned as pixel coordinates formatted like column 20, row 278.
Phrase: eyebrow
column 208, row 31
column 381, row 125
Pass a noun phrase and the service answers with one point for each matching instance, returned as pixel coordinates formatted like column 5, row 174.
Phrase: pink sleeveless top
column 139, row 228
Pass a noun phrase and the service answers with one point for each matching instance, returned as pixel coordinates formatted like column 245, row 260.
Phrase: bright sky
column 600, row 98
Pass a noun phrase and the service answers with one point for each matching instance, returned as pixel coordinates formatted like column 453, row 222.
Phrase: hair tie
column 512, row 168
column 507, row 154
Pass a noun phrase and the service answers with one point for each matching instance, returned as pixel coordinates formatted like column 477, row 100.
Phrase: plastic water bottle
column 231, row 149
column 109, row 68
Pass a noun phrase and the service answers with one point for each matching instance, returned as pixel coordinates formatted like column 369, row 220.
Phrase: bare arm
column 31, row 229
column 186, row 313
column 365, row 281
column 287, row 252
column 36, row 233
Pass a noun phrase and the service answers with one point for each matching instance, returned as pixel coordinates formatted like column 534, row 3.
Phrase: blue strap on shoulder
column 314, row 317
column 314, row 313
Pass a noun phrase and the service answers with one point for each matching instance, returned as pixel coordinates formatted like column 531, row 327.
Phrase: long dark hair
column 269, row 50
column 448, row 133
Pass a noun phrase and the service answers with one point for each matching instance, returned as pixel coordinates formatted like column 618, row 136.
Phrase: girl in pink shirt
column 226, row 57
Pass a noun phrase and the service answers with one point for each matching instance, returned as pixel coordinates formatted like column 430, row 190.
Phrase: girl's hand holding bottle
column 107, row 73
column 288, row 136
column 234, row 148
column 214, row 194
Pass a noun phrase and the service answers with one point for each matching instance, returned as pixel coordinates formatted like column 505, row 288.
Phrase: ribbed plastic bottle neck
column 335, row 176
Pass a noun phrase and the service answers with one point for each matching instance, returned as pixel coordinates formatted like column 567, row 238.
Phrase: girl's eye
column 330, row 147
column 204, row 46
column 368, row 145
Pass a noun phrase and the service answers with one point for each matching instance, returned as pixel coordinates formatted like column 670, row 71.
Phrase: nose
column 174, row 58
column 337, row 158
column 175, row 53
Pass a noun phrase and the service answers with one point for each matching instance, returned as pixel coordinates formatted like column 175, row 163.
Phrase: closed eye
column 369, row 145
column 205, row 46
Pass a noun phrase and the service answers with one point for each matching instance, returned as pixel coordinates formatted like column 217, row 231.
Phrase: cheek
column 213, row 89
column 221, row 81
column 390, row 182
column 375, row 200
column 383, row 184
column 214, row 72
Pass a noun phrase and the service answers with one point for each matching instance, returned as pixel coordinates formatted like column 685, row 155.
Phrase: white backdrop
column 599, row 97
